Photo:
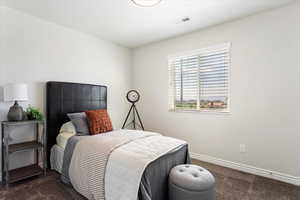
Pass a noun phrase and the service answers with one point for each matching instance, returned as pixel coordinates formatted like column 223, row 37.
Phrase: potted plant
column 34, row 113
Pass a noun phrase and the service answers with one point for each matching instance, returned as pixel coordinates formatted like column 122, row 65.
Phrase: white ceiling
column 124, row 23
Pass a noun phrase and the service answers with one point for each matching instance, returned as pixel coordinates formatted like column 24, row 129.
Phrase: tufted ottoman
column 191, row 182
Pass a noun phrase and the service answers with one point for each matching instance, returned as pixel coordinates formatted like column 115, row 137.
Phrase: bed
column 63, row 98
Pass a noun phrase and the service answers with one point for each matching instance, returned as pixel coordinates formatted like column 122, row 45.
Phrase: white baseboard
column 249, row 169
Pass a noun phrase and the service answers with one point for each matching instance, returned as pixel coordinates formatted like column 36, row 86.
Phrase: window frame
column 198, row 52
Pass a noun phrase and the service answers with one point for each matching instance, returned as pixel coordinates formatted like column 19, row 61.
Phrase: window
column 199, row 81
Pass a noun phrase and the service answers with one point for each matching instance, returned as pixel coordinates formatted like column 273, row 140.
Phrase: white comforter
column 110, row 166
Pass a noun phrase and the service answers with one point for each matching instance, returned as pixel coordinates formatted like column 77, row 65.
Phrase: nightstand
column 8, row 148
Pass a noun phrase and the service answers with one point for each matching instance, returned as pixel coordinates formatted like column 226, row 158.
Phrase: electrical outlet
column 242, row 148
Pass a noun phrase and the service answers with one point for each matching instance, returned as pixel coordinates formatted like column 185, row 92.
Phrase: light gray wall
column 264, row 92
column 2, row 76
column 37, row 51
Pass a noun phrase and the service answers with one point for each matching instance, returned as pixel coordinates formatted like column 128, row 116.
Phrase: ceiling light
column 146, row 3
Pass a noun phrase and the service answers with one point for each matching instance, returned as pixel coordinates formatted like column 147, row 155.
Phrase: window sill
column 224, row 112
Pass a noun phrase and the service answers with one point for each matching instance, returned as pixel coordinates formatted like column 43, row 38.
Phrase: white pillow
column 62, row 139
column 68, row 127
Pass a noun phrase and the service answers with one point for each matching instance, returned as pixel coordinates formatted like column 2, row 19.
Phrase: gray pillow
column 80, row 123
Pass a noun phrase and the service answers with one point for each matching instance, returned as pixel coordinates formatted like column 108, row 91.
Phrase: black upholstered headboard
column 63, row 98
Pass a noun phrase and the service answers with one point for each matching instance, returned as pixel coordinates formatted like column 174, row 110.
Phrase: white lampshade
column 15, row 92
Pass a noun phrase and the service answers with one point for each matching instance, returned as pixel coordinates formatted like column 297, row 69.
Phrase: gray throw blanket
column 71, row 144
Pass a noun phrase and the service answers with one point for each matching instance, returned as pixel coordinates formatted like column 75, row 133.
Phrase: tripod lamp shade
column 15, row 92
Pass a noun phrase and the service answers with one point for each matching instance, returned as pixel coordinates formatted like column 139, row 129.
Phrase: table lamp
column 15, row 92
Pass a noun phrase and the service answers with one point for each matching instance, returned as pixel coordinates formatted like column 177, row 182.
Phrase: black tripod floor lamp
column 133, row 96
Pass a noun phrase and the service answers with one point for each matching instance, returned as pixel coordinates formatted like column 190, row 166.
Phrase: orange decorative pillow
column 99, row 121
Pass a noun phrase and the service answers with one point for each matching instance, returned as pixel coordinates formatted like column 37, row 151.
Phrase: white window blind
column 200, row 80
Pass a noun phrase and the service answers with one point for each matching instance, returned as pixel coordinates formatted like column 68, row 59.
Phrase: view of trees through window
column 207, row 103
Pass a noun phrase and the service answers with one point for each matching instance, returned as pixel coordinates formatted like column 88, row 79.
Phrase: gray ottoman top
column 191, row 177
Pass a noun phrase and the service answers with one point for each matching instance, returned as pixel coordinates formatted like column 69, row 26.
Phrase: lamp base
column 15, row 113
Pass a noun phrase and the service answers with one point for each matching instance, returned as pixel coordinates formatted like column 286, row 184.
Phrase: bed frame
column 63, row 98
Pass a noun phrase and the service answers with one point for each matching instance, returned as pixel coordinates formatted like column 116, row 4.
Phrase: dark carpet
column 230, row 185
column 235, row 185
